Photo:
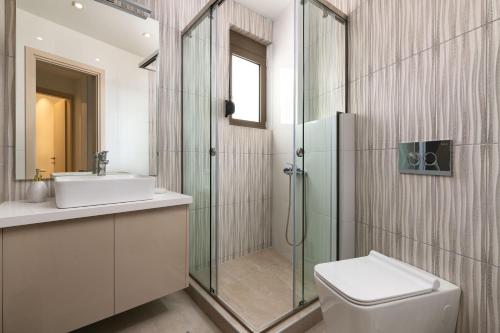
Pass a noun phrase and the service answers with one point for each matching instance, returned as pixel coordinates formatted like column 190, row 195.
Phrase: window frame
column 253, row 51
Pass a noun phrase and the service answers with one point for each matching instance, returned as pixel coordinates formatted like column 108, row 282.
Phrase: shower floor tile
column 258, row 287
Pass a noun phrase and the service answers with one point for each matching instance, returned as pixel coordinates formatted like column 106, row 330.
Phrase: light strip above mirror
column 128, row 6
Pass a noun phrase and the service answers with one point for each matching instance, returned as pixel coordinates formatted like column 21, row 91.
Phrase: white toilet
column 383, row 295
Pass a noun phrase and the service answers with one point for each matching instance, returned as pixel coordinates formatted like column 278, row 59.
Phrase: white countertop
column 17, row 213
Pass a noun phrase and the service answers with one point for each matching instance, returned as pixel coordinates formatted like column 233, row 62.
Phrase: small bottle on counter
column 38, row 190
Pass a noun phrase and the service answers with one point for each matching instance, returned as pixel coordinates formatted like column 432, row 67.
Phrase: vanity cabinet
column 60, row 276
column 151, row 255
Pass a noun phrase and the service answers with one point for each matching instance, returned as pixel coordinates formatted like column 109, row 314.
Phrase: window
column 248, row 81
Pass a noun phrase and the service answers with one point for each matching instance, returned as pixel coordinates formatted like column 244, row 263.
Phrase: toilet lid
column 375, row 279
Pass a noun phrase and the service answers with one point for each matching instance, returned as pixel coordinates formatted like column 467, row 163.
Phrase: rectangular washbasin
column 80, row 191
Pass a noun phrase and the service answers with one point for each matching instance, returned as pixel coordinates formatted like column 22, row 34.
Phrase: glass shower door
column 322, row 96
column 198, row 154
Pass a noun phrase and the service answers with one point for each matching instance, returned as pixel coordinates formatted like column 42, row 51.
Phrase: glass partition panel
column 196, row 145
column 323, row 96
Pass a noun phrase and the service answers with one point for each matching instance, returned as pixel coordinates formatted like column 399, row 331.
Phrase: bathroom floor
column 258, row 286
column 176, row 313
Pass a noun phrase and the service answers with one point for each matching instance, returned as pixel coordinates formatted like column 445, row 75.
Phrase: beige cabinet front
column 58, row 276
column 150, row 255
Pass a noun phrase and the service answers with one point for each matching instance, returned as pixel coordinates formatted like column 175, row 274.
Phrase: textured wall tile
column 419, row 254
column 461, row 203
column 455, row 17
column 2, row 187
column 384, row 109
column 184, row 11
column 377, row 197
column 3, row 115
column 415, row 26
column 493, row 299
column 385, row 47
column 493, row 206
column 2, row 29
column 370, row 238
column 493, row 80
column 387, row 243
column 245, row 160
column 342, row 5
column 170, row 58
column 169, row 171
column 359, row 41
column 470, row 276
column 169, row 120
column 417, row 197
column 364, row 241
column 243, row 228
column 196, row 178
column 251, row 23
column 16, row 190
column 359, row 104
column 449, row 226
column 9, row 102
column 418, row 98
column 493, row 10
column 363, row 200
column 10, row 27
column 461, row 108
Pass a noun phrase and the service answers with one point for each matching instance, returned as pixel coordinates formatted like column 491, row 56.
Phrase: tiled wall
column 421, row 70
column 9, row 188
column 244, row 153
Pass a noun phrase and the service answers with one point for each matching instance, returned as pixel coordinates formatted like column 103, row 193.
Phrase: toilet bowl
column 383, row 295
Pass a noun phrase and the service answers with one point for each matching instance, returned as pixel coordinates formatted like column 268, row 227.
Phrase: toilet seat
column 375, row 279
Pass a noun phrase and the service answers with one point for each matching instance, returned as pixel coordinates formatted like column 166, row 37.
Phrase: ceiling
column 268, row 8
column 101, row 22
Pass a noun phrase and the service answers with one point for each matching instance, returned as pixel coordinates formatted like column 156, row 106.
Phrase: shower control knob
column 300, row 152
column 413, row 159
column 431, row 159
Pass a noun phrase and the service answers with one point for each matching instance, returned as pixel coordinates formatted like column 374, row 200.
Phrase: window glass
column 246, row 89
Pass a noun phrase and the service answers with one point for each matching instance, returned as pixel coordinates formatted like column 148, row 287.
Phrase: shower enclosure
column 319, row 94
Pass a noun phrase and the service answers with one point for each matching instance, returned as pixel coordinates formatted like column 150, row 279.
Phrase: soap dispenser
column 38, row 190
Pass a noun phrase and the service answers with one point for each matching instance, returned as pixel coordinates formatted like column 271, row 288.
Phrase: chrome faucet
column 101, row 161
column 289, row 170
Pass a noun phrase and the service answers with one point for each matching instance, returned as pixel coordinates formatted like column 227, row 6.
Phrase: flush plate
column 426, row 158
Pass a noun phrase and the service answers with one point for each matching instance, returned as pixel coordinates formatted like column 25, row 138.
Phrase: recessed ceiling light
column 39, row 38
column 97, row 59
column 77, row 5
column 147, row 35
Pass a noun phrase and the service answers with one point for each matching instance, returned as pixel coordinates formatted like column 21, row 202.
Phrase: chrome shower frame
column 294, row 172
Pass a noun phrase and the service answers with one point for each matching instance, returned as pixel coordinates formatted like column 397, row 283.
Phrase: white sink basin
column 79, row 191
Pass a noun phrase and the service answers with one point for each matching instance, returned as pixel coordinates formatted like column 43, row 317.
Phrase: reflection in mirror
column 86, row 81
column 66, row 119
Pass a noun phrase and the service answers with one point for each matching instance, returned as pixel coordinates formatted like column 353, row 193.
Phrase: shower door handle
column 212, row 152
column 300, row 152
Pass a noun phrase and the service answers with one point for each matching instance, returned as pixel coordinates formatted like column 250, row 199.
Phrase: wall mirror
column 86, row 81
